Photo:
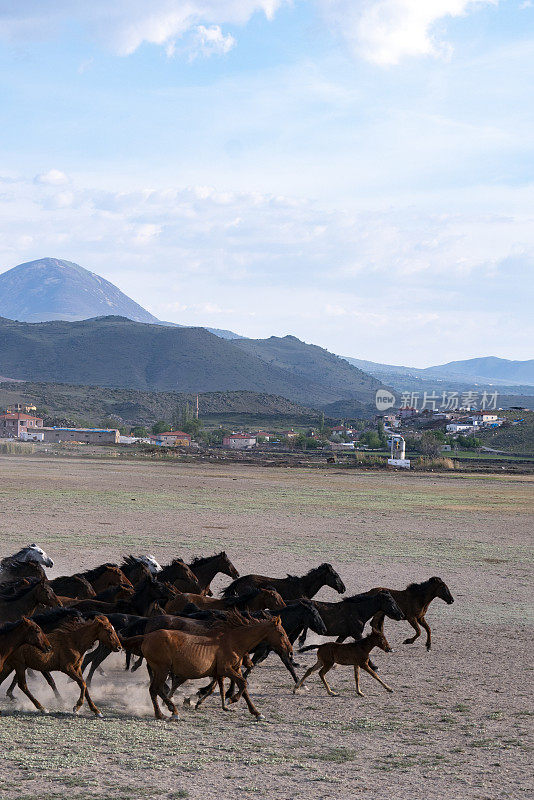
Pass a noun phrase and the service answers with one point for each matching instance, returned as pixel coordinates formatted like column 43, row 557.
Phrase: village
column 443, row 432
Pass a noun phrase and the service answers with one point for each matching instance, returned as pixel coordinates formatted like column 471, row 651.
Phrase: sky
column 357, row 173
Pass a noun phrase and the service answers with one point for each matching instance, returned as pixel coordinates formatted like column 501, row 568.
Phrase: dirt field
column 458, row 723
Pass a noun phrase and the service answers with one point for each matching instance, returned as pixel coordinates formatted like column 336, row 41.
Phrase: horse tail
column 309, row 647
column 133, row 644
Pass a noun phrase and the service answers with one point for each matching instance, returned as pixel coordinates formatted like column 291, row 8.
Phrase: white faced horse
column 151, row 563
column 30, row 553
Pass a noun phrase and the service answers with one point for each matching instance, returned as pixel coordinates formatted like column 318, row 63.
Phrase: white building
column 239, row 441
column 458, row 427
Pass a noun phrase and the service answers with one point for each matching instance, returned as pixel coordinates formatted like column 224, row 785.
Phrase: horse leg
column 357, row 680
column 302, row 637
column 220, row 682
column 426, row 626
column 208, row 690
column 157, row 688
column 76, row 676
column 51, row 682
column 21, row 681
column 288, row 664
column 341, row 639
column 322, row 674
column 137, row 664
column 242, row 684
column 368, row 669
column 12, row 685
column 95, row 659
column 307, row 674
column 417, row 629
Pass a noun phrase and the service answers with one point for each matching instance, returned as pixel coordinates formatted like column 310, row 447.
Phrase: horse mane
column 16, row 558
column 199, row 561
column 312, row 571
column 419, row 588
column 7, row 627
column 242, row 599
column 235, row 620
column 54, row 616
column 95, row 572
column 23, row 591
column 356, row 598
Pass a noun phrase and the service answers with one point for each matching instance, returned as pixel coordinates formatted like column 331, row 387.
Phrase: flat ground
column 458, row 723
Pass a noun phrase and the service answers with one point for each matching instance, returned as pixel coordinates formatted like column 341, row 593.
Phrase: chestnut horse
column 355, row 654
column 69, row 643
column 16, row 634
column 27, row 600
column 217, row 655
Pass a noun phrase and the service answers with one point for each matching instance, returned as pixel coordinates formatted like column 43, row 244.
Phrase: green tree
column 159, row 427
column 140, row 431
column 382, row 434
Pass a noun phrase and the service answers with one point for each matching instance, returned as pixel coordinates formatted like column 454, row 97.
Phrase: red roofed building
column 172, row 439
column 12, row 425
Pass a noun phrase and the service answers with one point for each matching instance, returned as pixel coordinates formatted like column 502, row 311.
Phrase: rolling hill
column 51, row 288
column 116, row 352
column 315, row 364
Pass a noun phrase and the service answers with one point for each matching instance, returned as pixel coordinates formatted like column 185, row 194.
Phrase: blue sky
column 358, row 173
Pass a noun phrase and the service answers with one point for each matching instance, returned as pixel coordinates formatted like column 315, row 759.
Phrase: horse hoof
column 259, row 717
column 44, row 711
column 186, row 701
column 99, row 715
column 174, row 717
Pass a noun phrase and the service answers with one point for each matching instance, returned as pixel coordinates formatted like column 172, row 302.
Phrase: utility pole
column 197, row 408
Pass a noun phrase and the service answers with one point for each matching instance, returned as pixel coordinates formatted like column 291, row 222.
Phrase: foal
column 355, row 654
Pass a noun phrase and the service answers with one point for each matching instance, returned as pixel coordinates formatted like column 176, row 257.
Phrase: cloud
column 125, row 25
column 381, row 31
column 54, row 177
column 386, row 31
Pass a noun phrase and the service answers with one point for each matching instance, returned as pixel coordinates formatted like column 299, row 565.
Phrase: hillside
column 94, row 404
column 315, row 364
column 52, row 288
column 488, row 370
column 514, row 436
column 116, row 352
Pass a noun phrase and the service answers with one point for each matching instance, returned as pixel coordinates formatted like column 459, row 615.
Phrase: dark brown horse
column 74, row 586
column 205, row 569
column 414, row 602
column 217, row 655
column 292, row 587
column 68, row 645
column 355, row 655
column 27, row 601
column 348, row 617
column 147, row 592
column 179, row 574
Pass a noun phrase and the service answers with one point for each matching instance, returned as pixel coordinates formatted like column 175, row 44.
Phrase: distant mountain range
column 488, row 371
column 51, row 288
column 117, row 352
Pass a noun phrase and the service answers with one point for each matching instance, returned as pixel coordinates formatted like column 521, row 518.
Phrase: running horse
column 27, row 562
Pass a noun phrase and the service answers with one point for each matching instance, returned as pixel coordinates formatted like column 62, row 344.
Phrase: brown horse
column 68, row 645
column 255, row 600
column 16, row 634
column 355, row 654
column 216, row 655
column 27, row 600
column 414, row 602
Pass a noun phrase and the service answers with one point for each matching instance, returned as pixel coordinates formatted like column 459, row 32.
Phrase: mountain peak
column 53, row 288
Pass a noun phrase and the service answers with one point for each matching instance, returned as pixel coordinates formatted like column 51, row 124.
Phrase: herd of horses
column 167, row 617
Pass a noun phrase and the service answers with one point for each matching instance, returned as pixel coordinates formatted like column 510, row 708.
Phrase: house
column 84, row 435
column 484, row 418
column 239, row 441
column 343, row 430
column 289, row 434
column 172, row 439
column 459, row 427
column 262, row 435
column 407, row 412
column 12, row 425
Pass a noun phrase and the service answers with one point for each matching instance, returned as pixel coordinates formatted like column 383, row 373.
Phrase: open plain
column 458, row 724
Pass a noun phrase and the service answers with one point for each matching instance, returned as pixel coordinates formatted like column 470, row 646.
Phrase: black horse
column 292, row 587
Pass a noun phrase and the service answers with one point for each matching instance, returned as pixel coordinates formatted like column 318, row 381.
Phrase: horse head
column 226, row 566
column 312, row 618
column 380, row 639
column 45, row 595
column 32, row 553
column 150, row 562
column 107, row 634
column 272, row 600
column 332, row 579
column 35, row 636
column 277, row 637
column 390, row 607
column 441, row 590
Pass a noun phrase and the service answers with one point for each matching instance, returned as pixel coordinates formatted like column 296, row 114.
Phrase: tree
column 429, row 444
column 371, row 439
column 140, row 432
column 185, row 419
column 159, row 427
column 382, row 434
